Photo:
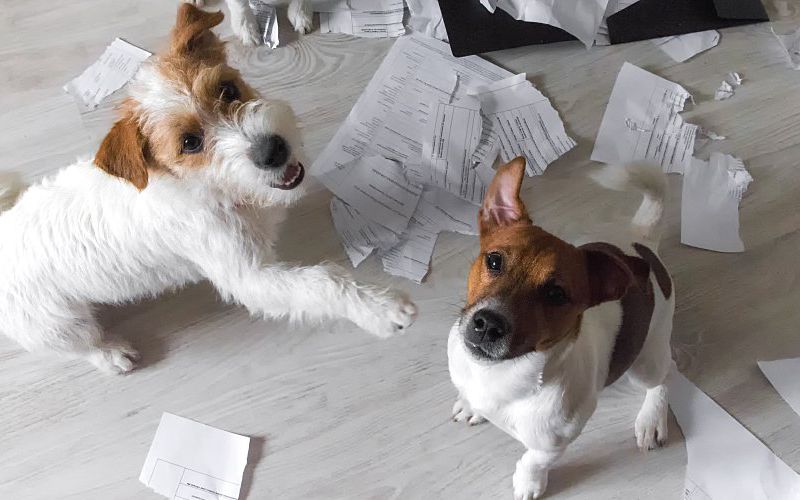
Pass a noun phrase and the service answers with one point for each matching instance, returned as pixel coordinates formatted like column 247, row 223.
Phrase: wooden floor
column 335, row 413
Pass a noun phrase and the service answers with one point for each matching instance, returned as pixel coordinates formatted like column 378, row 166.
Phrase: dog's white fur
column 82, row 237
column 244, row 23
column 544, row 399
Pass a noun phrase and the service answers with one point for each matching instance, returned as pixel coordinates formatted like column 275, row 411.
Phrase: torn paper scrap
column 521, row 122
column 681, row 48
column 790, row 42
column 579, row 18
column 425, row 17
column 192, row 460
column 410, row 55
column 642, row 122
column 377, row 188
column 267, row 18
column 116, row 66
column 411, row 257
column 367, row 19
column 725, row 461
column 727, row 88
column 360, row 236
column 710, row 205
column 783, row 375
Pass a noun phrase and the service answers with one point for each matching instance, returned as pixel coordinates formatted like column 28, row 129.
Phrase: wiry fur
column 544, row 398
column 85, row 236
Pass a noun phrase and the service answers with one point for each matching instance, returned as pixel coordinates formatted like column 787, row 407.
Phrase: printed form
column 642, row 122
column 366, row 18
column 193, row 461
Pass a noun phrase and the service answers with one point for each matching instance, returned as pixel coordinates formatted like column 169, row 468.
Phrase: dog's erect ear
column 501, row 205
column 609, row 276
column 122, row 153
column 192, row 34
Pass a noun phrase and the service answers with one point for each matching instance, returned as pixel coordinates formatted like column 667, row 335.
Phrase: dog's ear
column 502, row 205
column 192, row 34
column 123, row 152
column 610, row 276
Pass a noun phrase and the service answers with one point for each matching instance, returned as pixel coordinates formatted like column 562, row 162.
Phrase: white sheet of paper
column 360, row 236
column 641, row 122
column 410, row 55
column 367, row 19
column 267, row 18
column 710, row 204
column 425, row 17
column 726, row 462
column 612, row 8
column 783, row 375
column 683, row 47
column 790, row 41
column 116, row 66
column 190, row 460
column 411, row 257
column 522, row 122
column 580, row 18
column 377, row 188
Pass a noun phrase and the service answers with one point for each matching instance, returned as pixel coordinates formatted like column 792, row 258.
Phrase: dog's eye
column 191, row 144
column 494, row 262
column 555, row 295
column 228, row 92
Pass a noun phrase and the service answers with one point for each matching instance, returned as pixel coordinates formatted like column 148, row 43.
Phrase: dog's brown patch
column 123, row 152
column 659, row 271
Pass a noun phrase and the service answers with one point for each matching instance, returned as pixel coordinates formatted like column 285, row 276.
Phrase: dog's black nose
column 485, row 327
column 270, row 151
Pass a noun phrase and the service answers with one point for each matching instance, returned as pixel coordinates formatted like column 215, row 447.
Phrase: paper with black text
column 783, row 375
column 725, row 461
column 360, row 236
column 190, row 460
column 367, row 19
column 642, row 122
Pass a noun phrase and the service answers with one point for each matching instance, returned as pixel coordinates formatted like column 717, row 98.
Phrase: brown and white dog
column 190, row 183
column 548, row 325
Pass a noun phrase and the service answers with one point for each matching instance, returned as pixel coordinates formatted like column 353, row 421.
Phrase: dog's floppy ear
column 502, row 205
column 122, row 152
column 610, row 275
column 192, row 34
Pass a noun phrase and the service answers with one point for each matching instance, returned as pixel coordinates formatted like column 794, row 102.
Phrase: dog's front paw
column 245, row 27
column 114, row 356
column 301, row 16
column 463, row 412
column 386, row 313
column 651, row 428
column 529, row 485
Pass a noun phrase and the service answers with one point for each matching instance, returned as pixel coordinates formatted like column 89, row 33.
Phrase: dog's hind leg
column 650, row 372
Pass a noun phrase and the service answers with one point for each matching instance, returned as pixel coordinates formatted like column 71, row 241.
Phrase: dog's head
column 190, row 116
column 528, row 289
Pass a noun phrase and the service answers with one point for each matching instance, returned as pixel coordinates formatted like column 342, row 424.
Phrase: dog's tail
column 10, row 188
column 650, row 181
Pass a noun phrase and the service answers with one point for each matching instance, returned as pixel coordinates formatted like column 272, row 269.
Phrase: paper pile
column 725, row 460
column 115, row 68
column 364, row 18
column 642, row 122
column 414, row 155
column 191, row 460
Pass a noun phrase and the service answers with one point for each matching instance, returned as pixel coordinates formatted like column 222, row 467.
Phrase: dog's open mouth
column 292, row 177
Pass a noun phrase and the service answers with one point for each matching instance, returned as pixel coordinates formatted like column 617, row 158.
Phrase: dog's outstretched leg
column 244, row 23
column 301, row 15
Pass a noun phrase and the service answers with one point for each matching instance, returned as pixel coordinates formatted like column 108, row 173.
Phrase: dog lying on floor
column 171, row 199
column 548, row 325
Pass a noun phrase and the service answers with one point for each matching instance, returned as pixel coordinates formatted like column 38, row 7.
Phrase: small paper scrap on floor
column 728, row 86
column 365, row 18
column 190, row 460
column 725, row 461
column 642, row 122
column 712, row 191
column 782, row 374
column 681, row 48
column 116, row 66
column 415, row 154
column 267, row 18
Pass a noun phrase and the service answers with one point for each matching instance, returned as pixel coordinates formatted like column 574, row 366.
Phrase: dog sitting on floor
column 171, row 198
column 245, row 25
column 548, row 325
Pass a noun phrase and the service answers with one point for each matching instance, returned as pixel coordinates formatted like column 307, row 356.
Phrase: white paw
column 245, row 27
column 196, row 3
column 301, row 16
column 529, row 485
column 115, row 356
column 462, row 412
column 651, row 428
column 387, row 313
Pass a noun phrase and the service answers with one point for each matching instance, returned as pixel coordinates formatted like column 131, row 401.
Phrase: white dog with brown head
column 169, row 200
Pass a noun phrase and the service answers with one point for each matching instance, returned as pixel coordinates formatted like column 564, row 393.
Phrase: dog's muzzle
column 271, row 152
column 485, row 333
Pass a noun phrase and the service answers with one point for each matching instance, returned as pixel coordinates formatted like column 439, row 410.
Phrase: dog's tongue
column 290, row 174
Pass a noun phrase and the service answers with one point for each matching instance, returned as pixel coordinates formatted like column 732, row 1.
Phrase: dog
column 174, row 195
column 245, row 25
column 548, row 325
